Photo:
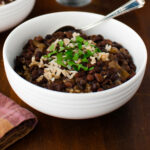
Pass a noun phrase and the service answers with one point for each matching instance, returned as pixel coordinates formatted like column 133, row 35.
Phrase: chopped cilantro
column 71, row 63
column 86, row 43
column 75, row 67
column 69, row 54
column 76, row 57
column 97, row 50
column 88, row 54
column 80, row 66
column 79, row 39
column 52, row 47
column 91, row 68
column 60, row 60
column 45, row 56
column 80, row 52
column 79, row 45
column 52, row 53
column 61, row 43
column 61, row 49
column 93, row 45
column 84, row 60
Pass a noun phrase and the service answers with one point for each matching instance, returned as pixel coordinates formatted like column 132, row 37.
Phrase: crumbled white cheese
column 93, row 60
column 103, row 56
column 75, row 34
column 34, row 62
column 47, row 74
column 108, row 47
column 66, row 41
column 71, row 45
column 91, row 42
column 89, row 47
column 53, row 71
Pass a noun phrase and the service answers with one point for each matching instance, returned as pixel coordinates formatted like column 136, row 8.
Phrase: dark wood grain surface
column 128, row 128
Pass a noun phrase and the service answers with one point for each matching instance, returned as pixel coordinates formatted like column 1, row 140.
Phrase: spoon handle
column 129, row 6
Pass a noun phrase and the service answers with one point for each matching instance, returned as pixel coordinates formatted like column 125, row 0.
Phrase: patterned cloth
column 15, row 122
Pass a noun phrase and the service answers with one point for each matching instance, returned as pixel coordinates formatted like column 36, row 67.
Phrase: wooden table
column 125, row 129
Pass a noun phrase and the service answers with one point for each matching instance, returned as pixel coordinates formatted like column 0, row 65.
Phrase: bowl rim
column 10, row 4
column 108, row 91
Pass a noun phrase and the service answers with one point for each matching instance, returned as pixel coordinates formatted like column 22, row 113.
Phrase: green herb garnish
column 91, row 68
column 52, row 53
column 80, row 52
column 80, row 66
column 69, row 54
column 86, row 43
column 52, row 47
column 75, row 68
column 71, row 63
column 61, row 43
column 45, row 56
column 93, row 45
column 84, row 60
column 97, row 50
column 79, row 45
column 60, row 60
column 76, row 57
column 61, row 49
column 79, row 39
column 88, row 54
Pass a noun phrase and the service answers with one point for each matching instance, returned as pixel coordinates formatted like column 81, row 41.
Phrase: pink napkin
column 15, row 122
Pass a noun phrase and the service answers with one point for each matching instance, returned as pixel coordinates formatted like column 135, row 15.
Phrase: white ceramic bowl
column 67, row 105
column 13, row 13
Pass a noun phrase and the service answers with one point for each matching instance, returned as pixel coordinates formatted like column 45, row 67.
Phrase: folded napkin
column 15, row 122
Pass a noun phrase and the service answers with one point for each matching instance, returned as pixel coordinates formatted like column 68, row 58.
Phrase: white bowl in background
column 13, row 13
column 69, row 105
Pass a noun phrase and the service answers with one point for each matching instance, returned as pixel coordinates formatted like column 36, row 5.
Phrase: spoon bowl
column 127, row 7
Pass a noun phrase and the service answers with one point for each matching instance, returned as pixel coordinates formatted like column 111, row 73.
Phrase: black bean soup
column 4, row 2
column 74, row 62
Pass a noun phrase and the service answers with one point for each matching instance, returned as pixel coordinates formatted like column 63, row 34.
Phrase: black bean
column 96, row 38
column 98, row 77
column 81, row 87
column 102, row 77
column 83, row 82
column 115, row 44
column 38, row 55
column 104, row 42
column 68, row 35
column 95, row 86
column 28, row 55
column 68, row 84
column 90, row 77
column 100, row 89
column 34, row 74
column 91, row 71
column 48, row 37
column 40, row 72
column 97, row 69
column 38, row 38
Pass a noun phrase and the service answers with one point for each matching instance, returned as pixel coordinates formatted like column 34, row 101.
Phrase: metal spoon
column 127, row 7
